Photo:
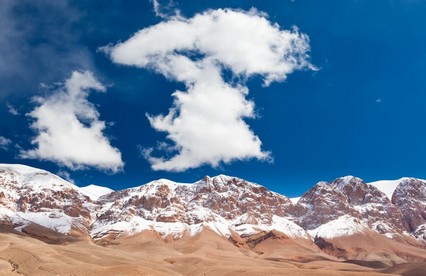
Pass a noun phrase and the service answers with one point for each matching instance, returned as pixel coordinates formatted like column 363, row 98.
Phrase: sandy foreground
column 146, row 254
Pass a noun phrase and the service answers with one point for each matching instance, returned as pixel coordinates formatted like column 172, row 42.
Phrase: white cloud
column 69, row 130
column 165, row 11
column 206, row 122
column 4, row 143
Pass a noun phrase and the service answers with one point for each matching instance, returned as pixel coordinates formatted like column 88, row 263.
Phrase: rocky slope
column 410, row 197
column 245, row 213
column 223, row 204
column 33, row 196
column 348, row 205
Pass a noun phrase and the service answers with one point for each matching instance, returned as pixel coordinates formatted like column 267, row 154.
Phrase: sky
column 282, row 93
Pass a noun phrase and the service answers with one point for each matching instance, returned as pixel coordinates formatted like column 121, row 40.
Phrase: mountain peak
column 219, row 178
column 33, row 178
column 228, row 205
column 94, row 191
column 21, row 169
column 347, row 180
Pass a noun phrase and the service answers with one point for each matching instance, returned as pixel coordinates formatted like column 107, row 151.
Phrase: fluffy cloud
column 206, row 122
column 4, row 143
column 69, row 130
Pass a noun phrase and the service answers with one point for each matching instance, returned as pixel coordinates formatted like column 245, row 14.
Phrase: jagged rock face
column 226, row 205
column 156, row 201
column 219, row 199
column 319, row 205
column 222, row 203
column 43, row 197
column 326, row 202
column 410, row 197
column 233, row 197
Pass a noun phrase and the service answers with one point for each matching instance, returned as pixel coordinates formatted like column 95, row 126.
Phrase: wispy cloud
column 65, row 175
column 12, row 110
column 38, row 42
column 5, row 143
column 68, row 128
column 206, row 122
column 167, row 10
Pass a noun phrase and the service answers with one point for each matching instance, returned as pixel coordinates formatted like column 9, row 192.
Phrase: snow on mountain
column 294, row 200
column 288, row 227
column 343, row 226
column 410, row 197
column 326, row 202
column 227, row 205
column 35, row 179
column 21, row 169
column 386, row 186
column 221, row 203
column 94, row 191
column 29, row 195
column 57, row 221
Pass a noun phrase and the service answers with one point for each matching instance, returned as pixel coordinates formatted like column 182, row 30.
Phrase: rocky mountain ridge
column 231, row 207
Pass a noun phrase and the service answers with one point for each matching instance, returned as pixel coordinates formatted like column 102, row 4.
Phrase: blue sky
column 360, row 112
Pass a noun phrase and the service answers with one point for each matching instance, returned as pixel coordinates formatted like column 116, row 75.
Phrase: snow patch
column 386, row 186
column 130, row 225
column 288, row 227
column 294, row 200
column 54, row 220
column 389, row 236
column 21, row 169
column 94, row 191
column 343, row 226
column 35, row 179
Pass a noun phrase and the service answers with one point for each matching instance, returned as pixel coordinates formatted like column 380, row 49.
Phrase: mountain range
column 217, row 225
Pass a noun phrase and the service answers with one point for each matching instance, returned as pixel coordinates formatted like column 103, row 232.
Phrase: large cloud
column 69, row 130
column 206, row 122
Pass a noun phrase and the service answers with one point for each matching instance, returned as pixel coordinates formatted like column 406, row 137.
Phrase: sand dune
column 408, row 269
column 147, row 254
column 373, row 247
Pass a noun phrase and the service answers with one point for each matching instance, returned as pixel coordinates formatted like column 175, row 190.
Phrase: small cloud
column 12, row 110
column 4, row 143
column 379, row 100
column 65, row 175
column 68, row 128
column 166, row 11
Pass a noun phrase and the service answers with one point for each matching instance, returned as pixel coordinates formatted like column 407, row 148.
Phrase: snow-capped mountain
column 352, row 203
column 231, row 207
column 94, row 191
column 386, row 186
column 29, row 195
column 221, row 203
column 409, row 195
